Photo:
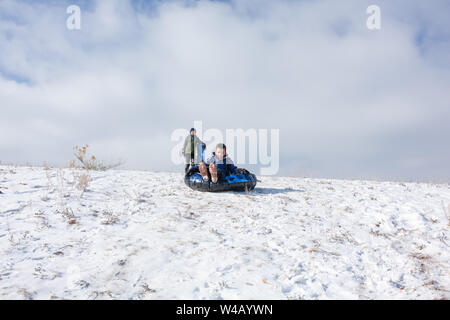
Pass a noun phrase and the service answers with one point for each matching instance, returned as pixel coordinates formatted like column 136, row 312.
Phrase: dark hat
column 221, row 146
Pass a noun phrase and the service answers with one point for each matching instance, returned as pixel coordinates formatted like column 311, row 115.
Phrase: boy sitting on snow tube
column 219, row 165
column 224, row 175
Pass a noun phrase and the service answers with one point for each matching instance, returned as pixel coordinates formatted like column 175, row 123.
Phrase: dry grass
column 83, row 182
column 67, row 213
column 43, row 222
column 446, row 212
column 90, row 162
column 109, row 218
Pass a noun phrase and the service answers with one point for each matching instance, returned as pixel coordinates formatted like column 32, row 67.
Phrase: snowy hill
column 144, row 235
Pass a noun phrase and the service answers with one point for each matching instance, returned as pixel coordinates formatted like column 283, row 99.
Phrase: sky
column 349, row 102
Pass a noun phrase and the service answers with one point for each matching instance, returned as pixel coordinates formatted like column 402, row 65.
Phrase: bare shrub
column 62, row 192
column 43, row 221
column 2, row 175
column 109, row 218
column 83, row 182
column 45, row 196
column 90, row 162
column 50, row 188
column 68, row 213
column 145, row 291
column 27, row 295
column 446, row 211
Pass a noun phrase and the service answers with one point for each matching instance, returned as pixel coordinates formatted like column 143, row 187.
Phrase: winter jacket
column 187, row 149
column 225, row 164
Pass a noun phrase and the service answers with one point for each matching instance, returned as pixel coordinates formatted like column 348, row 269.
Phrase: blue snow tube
column 241, row 180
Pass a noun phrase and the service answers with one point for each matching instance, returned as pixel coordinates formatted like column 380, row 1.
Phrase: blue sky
column 349, row 102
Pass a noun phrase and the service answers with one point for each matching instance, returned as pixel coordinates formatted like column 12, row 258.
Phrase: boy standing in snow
column 191, row 149
column 220, row 165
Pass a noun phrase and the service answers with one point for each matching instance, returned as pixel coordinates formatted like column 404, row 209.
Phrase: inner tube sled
column 240, row 180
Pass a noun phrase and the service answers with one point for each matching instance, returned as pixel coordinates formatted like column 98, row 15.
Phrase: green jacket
column 187, row 149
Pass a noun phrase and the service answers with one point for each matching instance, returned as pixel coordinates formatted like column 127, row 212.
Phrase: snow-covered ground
column 145, row 235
